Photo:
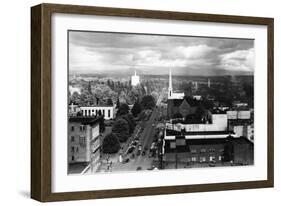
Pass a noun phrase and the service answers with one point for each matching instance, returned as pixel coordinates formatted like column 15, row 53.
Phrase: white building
column 106, row 111
column 135, row 80
column 197, row 97
column 245, row 131
column 73, row 109
column 219, row 123
column 171, row 94
column 72, row 90
column 234, row 114
column 217, row 129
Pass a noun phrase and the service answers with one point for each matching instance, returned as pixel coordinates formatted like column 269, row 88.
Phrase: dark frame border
column 41, row 101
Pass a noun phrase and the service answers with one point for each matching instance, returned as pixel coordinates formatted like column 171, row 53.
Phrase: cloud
column 98, row 51
column 242, row 60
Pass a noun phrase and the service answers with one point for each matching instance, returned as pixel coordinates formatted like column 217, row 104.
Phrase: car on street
column 139, row 168
column 131, row 149
column 212, row 163
column 126, row 161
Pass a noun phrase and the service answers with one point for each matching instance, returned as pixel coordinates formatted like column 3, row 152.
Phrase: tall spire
column 135, row 73
column 170, row 84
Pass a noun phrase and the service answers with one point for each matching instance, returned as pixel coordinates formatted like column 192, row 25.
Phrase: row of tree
column 124, row 124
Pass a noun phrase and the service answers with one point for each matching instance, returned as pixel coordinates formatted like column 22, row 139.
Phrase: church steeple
column 170, row 92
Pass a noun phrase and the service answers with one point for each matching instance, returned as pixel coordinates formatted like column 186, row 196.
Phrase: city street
column 142, row 161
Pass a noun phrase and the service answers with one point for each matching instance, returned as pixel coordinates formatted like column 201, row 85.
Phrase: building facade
column 106, row 111
column 187, row 151
column 84, row 141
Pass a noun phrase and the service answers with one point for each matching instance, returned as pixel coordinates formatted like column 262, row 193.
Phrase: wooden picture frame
column 41, row 96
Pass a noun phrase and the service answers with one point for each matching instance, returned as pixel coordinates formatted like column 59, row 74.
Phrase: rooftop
column 170, row 132
column 213, row 141
column 84, row 120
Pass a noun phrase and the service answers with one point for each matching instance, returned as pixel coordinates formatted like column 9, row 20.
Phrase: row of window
column 82, row 140
column 73, row 149
column 203, row 150
column 81, row 128
column 203, row 159
column 96, row 111
column 193, row 151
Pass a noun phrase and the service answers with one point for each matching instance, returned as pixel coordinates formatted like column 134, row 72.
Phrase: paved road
column 146, row 140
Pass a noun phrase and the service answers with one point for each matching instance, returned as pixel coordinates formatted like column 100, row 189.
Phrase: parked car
column 139, row 168
column 126, row 161
column 131, row 149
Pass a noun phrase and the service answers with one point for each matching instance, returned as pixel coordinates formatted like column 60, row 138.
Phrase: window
column 108, row 113
column 82, row 128
column 77, row 149
column 220, row 158
column 202, row 150
column 212, row 150
column 103, row 112
column 193, row 151
column 180, row 142
column 193, row 159
column 172, row 145
column 82, row 140
column 72, row 138
column 72, row 158
column 212, row 158
column 202, row 159
column 72, row 149
column 72, row 128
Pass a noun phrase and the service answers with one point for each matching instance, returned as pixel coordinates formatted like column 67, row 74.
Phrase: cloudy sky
column 98, row 52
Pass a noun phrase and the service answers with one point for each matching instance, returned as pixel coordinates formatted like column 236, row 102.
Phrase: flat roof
column 84, row 120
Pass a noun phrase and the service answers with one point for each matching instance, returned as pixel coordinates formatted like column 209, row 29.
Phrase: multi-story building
column 84, row 141
column 206, row 143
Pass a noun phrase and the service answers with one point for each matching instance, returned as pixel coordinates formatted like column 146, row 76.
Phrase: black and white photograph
column 147, row 102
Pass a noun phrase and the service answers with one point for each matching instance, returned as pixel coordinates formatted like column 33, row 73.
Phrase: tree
column 136, row 109
column 177, row 115
column 121, row 129
column 155, row 95
column 122, row 110
column 207, row 104
column 131, row 122
column 109, row 102
column 102, row 125
column 147, row 102
column 117, row 103
column 102, row 92
column 110, row 144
